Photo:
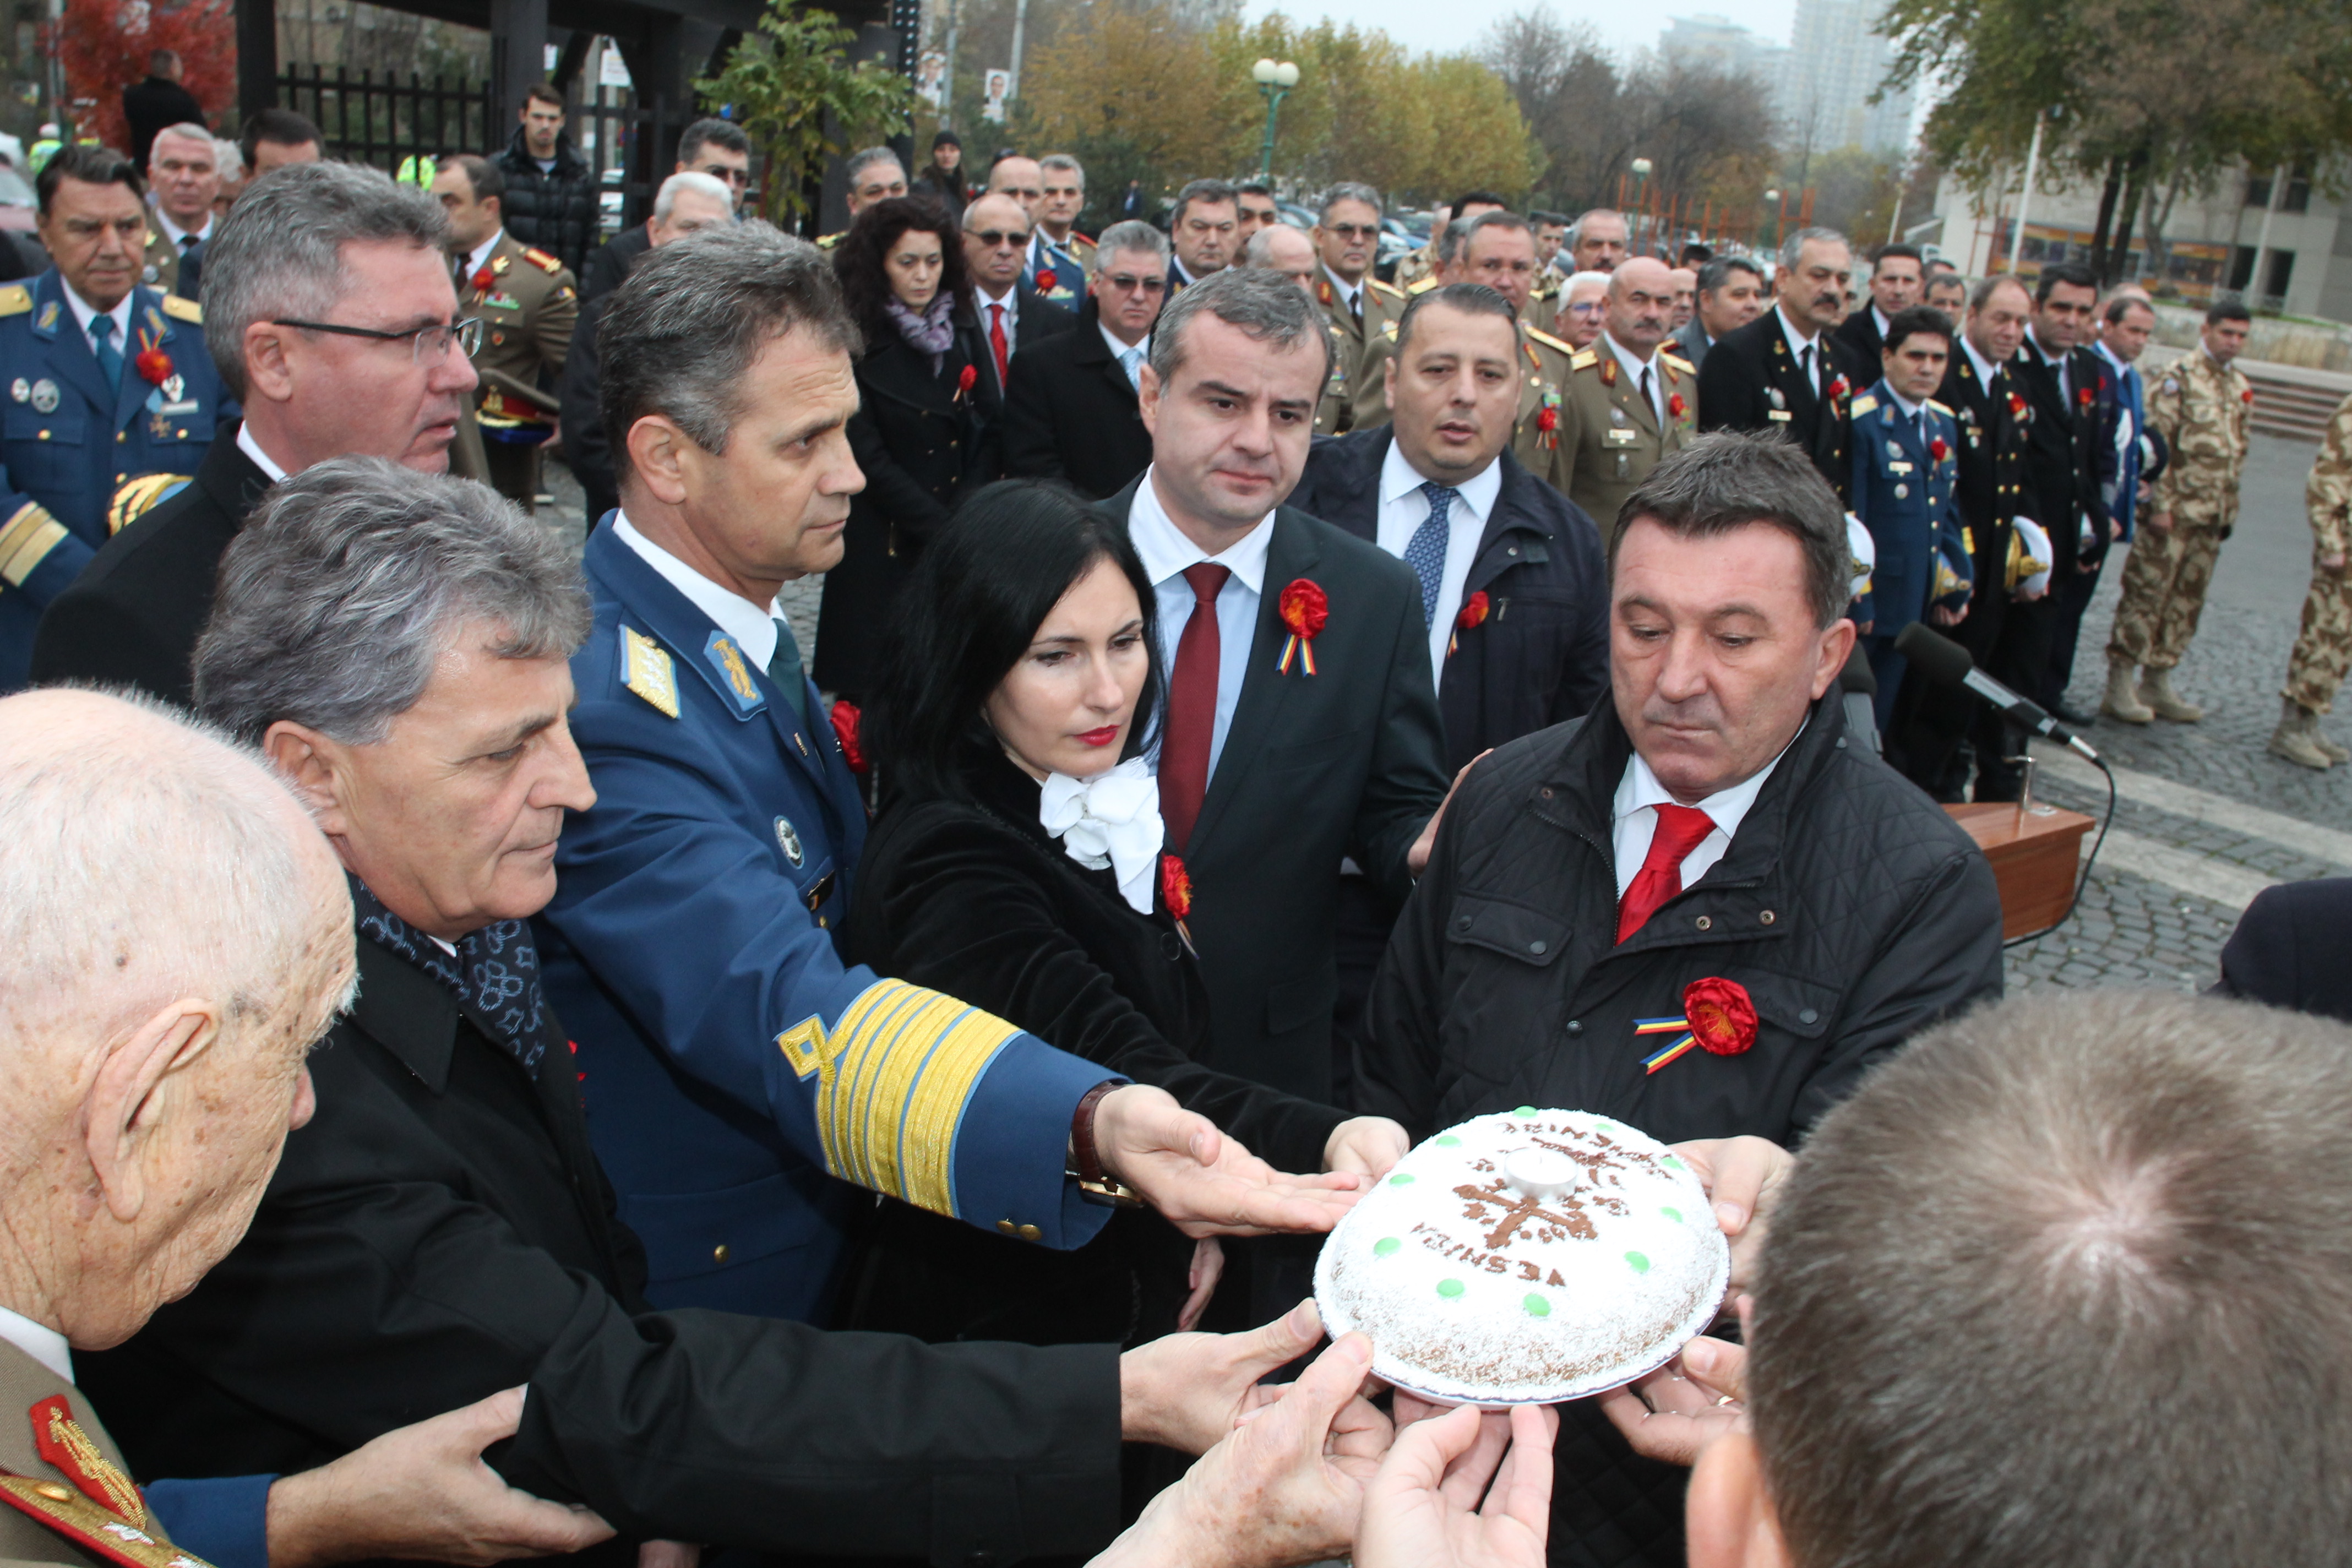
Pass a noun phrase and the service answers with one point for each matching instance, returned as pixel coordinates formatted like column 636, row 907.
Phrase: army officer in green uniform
column 182, row 178
column 1627, row 403
column 528, row 304
column 1498, row 250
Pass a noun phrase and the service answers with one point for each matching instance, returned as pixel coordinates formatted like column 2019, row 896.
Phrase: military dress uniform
column 1332, row 409
column 160, row 267
column 1544, row 361
column 1365, row 339
column 2201, row 407
column 70, row 441
column 1417, row 269
column 2323, row 648
column 1609, row 435
column 738, row 1075
column 528, row 304
column 1058, row 271
column 1905, row 476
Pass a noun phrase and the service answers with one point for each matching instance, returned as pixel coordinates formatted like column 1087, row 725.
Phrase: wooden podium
column 2035, row 860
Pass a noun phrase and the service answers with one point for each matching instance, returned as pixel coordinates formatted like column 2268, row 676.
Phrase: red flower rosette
column 1839, row 389
column 1937, row 450
column 1547, row 419
column 1176, row 892
column 2016, row 407
column 1474, row 611
column 1304, row 609
column 1720, row 1015
column 484, row 280
column 2084, row 397
column 844, row 718
column 1045, row 284
column 966, row 379
column 2247, row 397
column 1675, row 406
column 154, row 366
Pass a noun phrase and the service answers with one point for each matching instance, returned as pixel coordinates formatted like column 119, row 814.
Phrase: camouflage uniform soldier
column 2324, row 649
column 2199, row 408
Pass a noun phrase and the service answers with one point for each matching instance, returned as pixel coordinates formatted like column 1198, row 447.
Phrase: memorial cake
column 1525, row 1258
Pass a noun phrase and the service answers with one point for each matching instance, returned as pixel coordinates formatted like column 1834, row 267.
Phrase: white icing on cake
column 1525, row 1258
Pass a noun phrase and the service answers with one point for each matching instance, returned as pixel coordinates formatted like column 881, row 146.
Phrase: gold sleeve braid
column 26, row 541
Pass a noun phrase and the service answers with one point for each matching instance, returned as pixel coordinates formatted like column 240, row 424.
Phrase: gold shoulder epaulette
column 1389, row 330
column 827, row 241
column 134, row 498
column 1422, row 285
column 1390, row 290
column 646, row 670
column 1678, row 364
column 1939, row 408
column 1861, row 405
column 181, row 310
column 1582, row 358
column 1550, row 342
column 1082, row 238
column 15, row 299
column 543, row 261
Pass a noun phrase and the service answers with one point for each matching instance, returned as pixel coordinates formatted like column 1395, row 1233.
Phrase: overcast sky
column 1448, row 27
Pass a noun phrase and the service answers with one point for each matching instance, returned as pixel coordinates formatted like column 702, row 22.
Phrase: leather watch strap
column 1086, row 1161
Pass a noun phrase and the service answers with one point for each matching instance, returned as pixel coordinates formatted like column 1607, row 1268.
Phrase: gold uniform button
column 123, row 434
column 718, row 1253
column 1007, row 1227
column 45, row 436
column 1029, row 1233
column 53, row 1491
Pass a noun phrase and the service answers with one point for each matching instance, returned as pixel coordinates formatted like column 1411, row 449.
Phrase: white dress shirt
column 1010, row 301
column 261, row 460
column 44, row 1346
column 1985, row 368
column 479, row 257
column 1349, row 294
column 174, row 233
column 84, row 313
column 754, row 630
column 1636, row 367
column 1165, row 553
column 1799, row 342
column 1404, row 509
column 1119, row 351
column 1635, row 820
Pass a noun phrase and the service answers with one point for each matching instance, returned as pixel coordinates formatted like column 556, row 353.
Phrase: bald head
column 1023, row 179
column 179, row 934
column 1641, row 295
column 1686, row 297
column 1278, row 248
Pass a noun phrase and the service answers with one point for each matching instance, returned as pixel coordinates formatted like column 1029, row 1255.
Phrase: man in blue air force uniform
column 735, row 1072
column 1905, row 470
column 106, row 381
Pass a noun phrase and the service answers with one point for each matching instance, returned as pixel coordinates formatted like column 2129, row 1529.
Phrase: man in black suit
column 380, row 371
column 1302, row 728
column 714, row 147
column 2060, row 375
column 1934, row 729
column 1204, row 227
column 1011, row 314
column 160, row 100
column 1897, row 282
column 1785, row 370
column 1072, row 410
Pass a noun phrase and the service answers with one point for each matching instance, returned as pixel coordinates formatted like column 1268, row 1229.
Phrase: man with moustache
column 1786, row 373
column 332, row 316
column 1599, row 241
column 1628, row 403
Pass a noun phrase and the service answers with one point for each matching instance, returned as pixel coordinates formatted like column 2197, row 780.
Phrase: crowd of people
column 603, row 1080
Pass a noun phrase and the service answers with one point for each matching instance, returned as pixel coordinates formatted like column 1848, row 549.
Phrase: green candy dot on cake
column 1525, row 1110
column 1671, row 1163
column 1447, row 1141
column 1674, row 1215
column 1449, row 1288
column 1401, row 1179
column 1641, row 1264
column 1385, row 1245
column 1537, row 1306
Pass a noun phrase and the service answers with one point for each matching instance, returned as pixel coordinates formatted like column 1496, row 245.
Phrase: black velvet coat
column 976, row 900
column 923, row 444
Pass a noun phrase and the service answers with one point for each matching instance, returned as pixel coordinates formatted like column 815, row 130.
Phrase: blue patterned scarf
column 494, row 974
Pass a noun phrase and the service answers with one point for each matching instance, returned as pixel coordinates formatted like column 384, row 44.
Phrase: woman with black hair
column 925, row 430
column 1017, row 863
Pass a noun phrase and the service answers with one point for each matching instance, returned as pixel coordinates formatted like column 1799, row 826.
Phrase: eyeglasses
column 1127, row 283
column 993, row 237
column 425, row 343
column 722, row 172
column 1584, row 308
column 1353, row 230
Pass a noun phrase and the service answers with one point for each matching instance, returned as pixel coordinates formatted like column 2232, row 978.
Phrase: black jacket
column 442, row 1230
column 1850, row 907
column 1347, row 762
column 2289, row 949
column 1035, row 320
column 1072, row 414
column 1859, row 333
column 973, row 898
column 586, row 451
column 150, row 105
column 922, row 443
column 2061, row 458
column 556, row 211
column 1541, row 655
column 133, row 617
column 1744, row 369
column 608, row 266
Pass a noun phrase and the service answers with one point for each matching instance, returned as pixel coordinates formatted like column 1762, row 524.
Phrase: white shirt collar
column 1986, row 369
column 1879, row 319
column 173, row 231
column 1627, row 357
column 261, row 460
column 1166, row 552
column 479, row 257
column 84, row 313
column 1346, row 290
column 1399, row 478
column 1798, row 338
column 1119, row 349
column 1728, row 808
column 1910, row 409
column 754, row 630
column 1010, row 299
column 42, row 1343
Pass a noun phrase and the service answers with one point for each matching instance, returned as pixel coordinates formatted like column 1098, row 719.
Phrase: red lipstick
column 1102, row 737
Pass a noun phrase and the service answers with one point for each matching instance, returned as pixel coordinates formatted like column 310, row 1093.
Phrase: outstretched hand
column 1187, row 1391
column 1203, row 1180
column 1743, row 1178
column 1675, row 1412
column 1424, row 1508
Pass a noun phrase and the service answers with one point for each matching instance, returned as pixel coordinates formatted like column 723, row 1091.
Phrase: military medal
column 789, row 841
column 21, row 390
column 1902, row 492
column 1894, row 448
column 44, row 395
column 1774, row 396
column 173, row 385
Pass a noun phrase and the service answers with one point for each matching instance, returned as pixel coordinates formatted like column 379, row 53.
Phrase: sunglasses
column 991, row 238
column 1352, row 230
column 1128, row 284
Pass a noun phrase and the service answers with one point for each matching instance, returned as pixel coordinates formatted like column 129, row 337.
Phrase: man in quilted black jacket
column 1703, row 909
column 550, row 196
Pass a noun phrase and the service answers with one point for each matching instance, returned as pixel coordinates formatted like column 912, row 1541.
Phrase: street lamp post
column 1274, row 80
column 1641, row 167
column 1772, row 205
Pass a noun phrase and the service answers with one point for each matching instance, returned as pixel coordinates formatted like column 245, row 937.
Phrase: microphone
column 1946, row 663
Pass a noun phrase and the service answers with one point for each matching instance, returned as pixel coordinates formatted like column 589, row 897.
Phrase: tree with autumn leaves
column 103, row 47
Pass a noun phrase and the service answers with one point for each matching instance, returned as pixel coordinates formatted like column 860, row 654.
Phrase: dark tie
column 1805, row 368
column 1356, row 308
column 1425, row 551
column 996, row 343
column 784, row 669
column 110, row 357
column 185, row 241
column 1679, row 830
column 1647, row 401
column 1192, row 706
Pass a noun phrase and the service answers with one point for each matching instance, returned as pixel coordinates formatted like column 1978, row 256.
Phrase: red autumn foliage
column 103, row 46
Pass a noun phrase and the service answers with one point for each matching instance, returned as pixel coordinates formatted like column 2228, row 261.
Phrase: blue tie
column 1425, row 551
column 1132, row 363
column 110, row 358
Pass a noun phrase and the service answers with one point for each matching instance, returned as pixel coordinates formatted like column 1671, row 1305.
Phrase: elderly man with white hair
column 183, row 177
column 153, row 1064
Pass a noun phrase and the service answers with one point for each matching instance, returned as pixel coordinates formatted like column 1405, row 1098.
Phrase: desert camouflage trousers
column 2324, row 649
column 2165, row 577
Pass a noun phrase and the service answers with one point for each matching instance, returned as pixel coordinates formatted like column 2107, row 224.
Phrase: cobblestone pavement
column 2205, row 817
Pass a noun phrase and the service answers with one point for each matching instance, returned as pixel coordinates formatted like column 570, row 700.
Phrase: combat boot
column 2334, row 752
column 2156, row 691
column 2296, row 737
column 2119, row 702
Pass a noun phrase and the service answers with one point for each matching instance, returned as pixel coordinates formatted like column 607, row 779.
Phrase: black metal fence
column 399, row 126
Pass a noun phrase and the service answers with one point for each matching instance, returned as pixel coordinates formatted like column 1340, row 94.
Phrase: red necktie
column 1680, row 828
column 996, row 341
column 1192, row 706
